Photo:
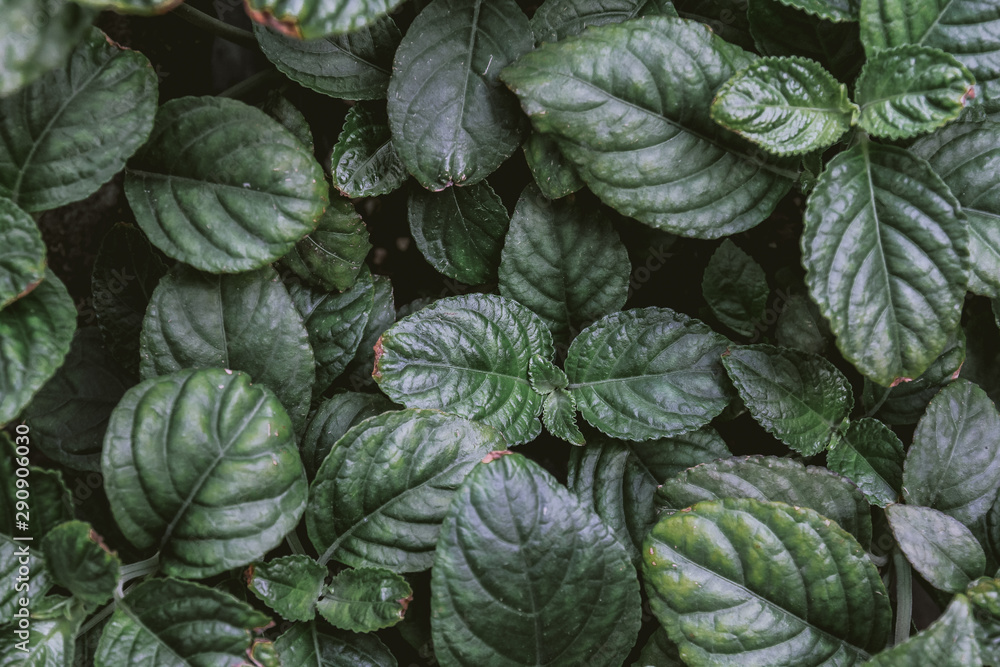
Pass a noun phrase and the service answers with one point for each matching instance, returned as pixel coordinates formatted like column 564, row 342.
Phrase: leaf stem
column 96, row 619
column 218, row 28
column 294, row 544
column 252, row 84
column 904, row 596
column 138, row 569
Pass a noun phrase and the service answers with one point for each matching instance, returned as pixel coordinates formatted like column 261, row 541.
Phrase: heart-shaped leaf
column 307, row 645
column 554, row 175
column 735, row 288
column 519, row 551
column 289, row 585
column 319, row 18
column 22, row 258
column 237, row 198
column 364, row 162
column 870, row 455
column 941, row 549
column 332, row 256
column 203, row 465
column 365, row 599
column 333, row 418
column 80, row 563
column 950, row 640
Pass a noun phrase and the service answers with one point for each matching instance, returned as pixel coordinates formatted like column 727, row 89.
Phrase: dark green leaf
column 365, row 599
column 559, row 417
column 908, row 400
column 735, row 288
column 16, row 584
column 800, row 325
column 289, row 585
column 941, row 549
column 50, row 642
column 306, row 645
column 278, row 107
column 22, row 258
column 48, row 502
column 80, row 563
column 364, row 162
column 870, row 455
column 383, row 316
column 333, row 418
column 319, row 18
column 520, row 552
column 555, row 175
column 545, row 376
column 203, row 465
column 947, row 642
column 559, row 19
column 831, row 10
column 237, row 198
column 331, row 257
column 659, row 651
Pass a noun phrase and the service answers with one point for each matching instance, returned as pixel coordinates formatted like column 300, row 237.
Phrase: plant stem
column 248, row 86
column 140, row 568
column 293, row 543
column 218, row 28
column 904, row 596
column 96, row 619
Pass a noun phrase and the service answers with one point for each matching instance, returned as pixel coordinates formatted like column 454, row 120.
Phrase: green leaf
column 305, row 645
column 870, row 455
column 50, row 640
column 800, row 398
column 947, row 642
column 36, row 36
column 648, row 373
column 281, row 109
column 939, row 547
column 352, row 66
column 364, row 162
column 166, row 621
column 203, row 465
column 392, row 519
column 245, row 321
column 69, row 414
column 984, row 595
column 764, row 583
column 831, row 10
column 289, row 585
column 126, row 272
column 452, row 121
column 459, row 231
column 319, row 18
column 35, row 336
column 774, row 479
column 520, row 552
column 735, row 288
column 331, row 257
column 429, row 360
column 800, row 325
column 907, row 401
column 686, row 175
column 365, row 599
column 659, row 651
column 383, row 315
column 80, row 563
column 965, row 155
column 17, row 584
column 48, row 503
column 953, row 464
column 910, row 90
column 73, row 129
column 559, row 19
column 22, row 258
column 333, row 418
column 237, row 198
column 545, row 376
column 619, row 479
column 885, row 251
column 789, row 106
column 140, row 7
column 555, row 175
column 559, row 417
column 563, row 260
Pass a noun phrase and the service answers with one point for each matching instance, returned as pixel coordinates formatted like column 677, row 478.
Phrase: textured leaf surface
column 364, row 162
column 49, row 503
column 801, row 398
column 281, row 109
column 236, row 198
column 245, row 321
column 906, row 402
column 885, row 251
column 459, row 231
column 947, row 642
column 365, row 599
column 735, row 288
column 452, row 121
column 559, row 417
column 787, row 585
column 559, row 19
column 468, row 355
column 595, row 92
column 11, row 553
column 331, row 257
column 519, row 551
column 289, row 585
column 787, row 105
column 659, row 651
column 953, row 464
column 555, row 175
column 50, row 637
column 307, row 645
column 383, row 316
column 800, row 325
column 203, row 464
column 392, row 519
column 870, row 455
column 79, row 562
column 35, row 336
column 564, row 261
column 941, row 549
column 22, row 257
column 836, row 10
column 648, row 373
column 333, row 418
column 171, row 622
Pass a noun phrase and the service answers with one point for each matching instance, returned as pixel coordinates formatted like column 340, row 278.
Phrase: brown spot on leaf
column 404, row 604
column 248, row 574
column 286, row 26
column 379, row 351
column 493, row 456
column 899, row 381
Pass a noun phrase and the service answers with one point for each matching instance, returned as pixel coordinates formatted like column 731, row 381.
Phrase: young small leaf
column 559, row 417
column 289, row 585
column 545, row 376
column 22, row 257
column 365, row 599
column 331, row 257
column 333, row 418
column 80, row 563
column 735, row 288
column 870, row 455
column 364, row 162
column 941, row 549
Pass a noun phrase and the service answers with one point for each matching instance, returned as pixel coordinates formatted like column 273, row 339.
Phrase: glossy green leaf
column 37, row 36
column 468, row 355
column 619, row 479
column 947, row 642
column 289, row 585
column 307, row 645
column 659, row 651
column 245, row 321
column 17, row 584
column 559, row 19
column 237, row 198
column 281, row 109
column 735, row 288
column 746, row 582
column 907, row 401
column 953, row 464
column 35, row 336
column 319, row 18
column 885, row 251
column 172, row 622
column 365, row 599
column 364, row 162
column 941, row 549
column 802, row 399
column 48, row 503
column 22, row 258
column 49, row 643
column 459, row 231
column 559, row 417
column 353, row 66
column 563, row 260
column 545, row 376
column 69, row 414
column 648, row 373
column 554, row 175
column 126, row 272
column 383, row 316
column 333, row 418
column 521, row 552
column 910, row 90
column 392, row 519
column 687, row 175
column 831, row 10
column 800, row 325
column 79, row 562
column 331, row 257
column 966, row 156
column 203, row 465
column 789, row 106
column 870, row 455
